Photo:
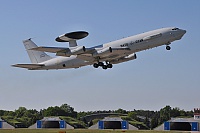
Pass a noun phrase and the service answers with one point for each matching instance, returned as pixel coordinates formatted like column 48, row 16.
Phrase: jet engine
column 103, row 52
column 78, row 50
column 124, row 59
column 73, row 51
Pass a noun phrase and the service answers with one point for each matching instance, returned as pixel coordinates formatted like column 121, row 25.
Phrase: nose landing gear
column 168, row 47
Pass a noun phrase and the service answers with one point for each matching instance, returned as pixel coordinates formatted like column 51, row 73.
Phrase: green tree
column 175, row 112
column 90, row 123
column 121, row 111
column 53, row 111
column 132, row 115
column 165, row 114
column 182, row 113
column 67, row 108
column 20, row 111
column 154, row 123
column 2, row 112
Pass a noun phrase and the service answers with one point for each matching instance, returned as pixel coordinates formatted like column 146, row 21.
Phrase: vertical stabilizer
column 35, row 56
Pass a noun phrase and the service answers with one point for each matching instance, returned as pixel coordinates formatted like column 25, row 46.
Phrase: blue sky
column 155, row 79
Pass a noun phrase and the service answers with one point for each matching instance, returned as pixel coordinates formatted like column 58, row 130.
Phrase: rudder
column 35, row 56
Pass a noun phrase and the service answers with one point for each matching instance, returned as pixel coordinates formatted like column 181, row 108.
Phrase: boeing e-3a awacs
column 104, row 55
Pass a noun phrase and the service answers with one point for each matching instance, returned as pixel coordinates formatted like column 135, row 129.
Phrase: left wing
column 51, row 49
column 58, row 50
column 88, row 54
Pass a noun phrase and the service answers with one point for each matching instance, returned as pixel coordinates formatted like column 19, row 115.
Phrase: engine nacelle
column 103, row 52
column 73, row 51
column 127, row 58
column 78, row 50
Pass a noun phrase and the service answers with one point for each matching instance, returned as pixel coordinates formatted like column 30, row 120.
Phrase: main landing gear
column 167, row 46
column 96, row 65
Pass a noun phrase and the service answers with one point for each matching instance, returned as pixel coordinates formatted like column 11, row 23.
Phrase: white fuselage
column 135, row 43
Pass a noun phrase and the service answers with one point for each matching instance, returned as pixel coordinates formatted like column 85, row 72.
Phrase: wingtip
column 13, row 65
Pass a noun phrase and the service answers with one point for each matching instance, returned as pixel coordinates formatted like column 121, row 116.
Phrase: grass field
column 78, row 131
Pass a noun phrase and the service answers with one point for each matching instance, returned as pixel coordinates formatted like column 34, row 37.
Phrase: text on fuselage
column 131, row 43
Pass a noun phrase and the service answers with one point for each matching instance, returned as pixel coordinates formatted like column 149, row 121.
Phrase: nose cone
column 179, row 33
column 183, row 31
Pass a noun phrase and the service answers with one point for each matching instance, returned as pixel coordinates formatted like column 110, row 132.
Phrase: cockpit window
column 175, row 28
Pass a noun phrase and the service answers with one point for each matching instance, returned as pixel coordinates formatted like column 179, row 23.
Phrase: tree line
column 23, row 117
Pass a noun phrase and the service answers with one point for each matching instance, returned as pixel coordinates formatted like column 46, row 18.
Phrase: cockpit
column 175, row 29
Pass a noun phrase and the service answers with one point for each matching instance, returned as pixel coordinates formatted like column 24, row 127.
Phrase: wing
column 58, row 50
column 105, row 54
column 29, row 66
column 88, row 54
column 51, row 49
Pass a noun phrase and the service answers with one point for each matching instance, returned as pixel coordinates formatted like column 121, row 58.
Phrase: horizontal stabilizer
column 51, row 49
column 29, row 66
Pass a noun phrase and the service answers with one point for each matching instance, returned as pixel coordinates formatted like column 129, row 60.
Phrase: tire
column 104, row 67
column 109, row 65
column 95, row 65
column 168, row 47
column 100, row 64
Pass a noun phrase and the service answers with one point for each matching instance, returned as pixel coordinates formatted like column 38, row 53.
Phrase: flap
column 86, row 57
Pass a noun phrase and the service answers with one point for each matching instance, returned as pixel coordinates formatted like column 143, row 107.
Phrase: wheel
column 168, row 47
column 104, row 67
column 100, row 64
column 109, row 65
column 95, row 65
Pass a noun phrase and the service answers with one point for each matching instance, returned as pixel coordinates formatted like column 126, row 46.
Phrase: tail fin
column 35, row 56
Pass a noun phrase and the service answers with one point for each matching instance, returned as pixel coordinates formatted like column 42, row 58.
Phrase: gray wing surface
column 51, row 49
column 29, row 66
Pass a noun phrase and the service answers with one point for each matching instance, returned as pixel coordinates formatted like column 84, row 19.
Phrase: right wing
column 29, row 66
column 88, row 54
